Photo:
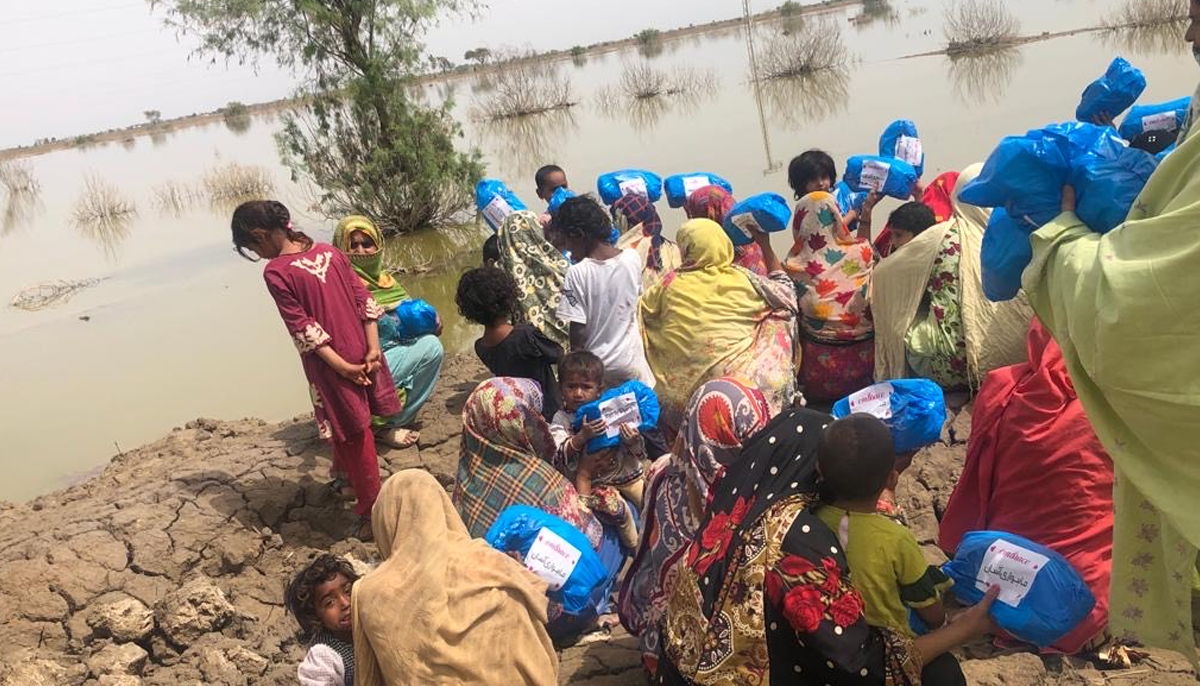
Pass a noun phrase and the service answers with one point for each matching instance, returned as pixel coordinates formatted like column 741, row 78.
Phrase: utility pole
column 748, row 15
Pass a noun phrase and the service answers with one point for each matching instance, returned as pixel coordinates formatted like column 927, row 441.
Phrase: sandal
column 398, row 438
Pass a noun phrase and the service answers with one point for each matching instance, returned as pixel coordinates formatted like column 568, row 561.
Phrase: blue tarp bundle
column 1163, row 116
column 901, row 141
column 417, row 318
column 1113, row 93
column 495, row 201
column 680, row 187
column 762, row 213
column 889, row 176
column 627, row 181
column 913, row 409
column 647, row 408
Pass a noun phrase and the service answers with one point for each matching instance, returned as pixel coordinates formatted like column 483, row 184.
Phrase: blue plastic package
column 1163, row 155
column 417, row 318
column 681, row 186
column 560, row 195
column 1113, row 93
column 1042, row 597
column 495, row 202
column 1163, row 116
column 901, row 141
column 913, row 409
column 1004, row 255
column 557, row 552
column 631, row 402
column 889, row 176
column 847, row 198
column 628, row 181
column 1107, row 188
column 762, row 213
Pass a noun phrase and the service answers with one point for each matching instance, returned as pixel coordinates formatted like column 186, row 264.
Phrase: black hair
column 856, row 456
column 583, row 363
column 300, row 596
column 486, row 294
column 582, row 217
column 491, row 250
column 913, row 217
column 544, row 173
column 810, row 166
column 270, row 215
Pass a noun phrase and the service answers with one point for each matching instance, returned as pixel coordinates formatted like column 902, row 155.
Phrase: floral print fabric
column 539, row 271
column 935, row 346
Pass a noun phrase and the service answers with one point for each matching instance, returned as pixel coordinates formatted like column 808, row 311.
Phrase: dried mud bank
column 169, row 566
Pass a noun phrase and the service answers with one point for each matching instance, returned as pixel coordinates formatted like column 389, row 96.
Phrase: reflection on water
column 107, row 232
column 19, row 211
column 1160, row 39
column 807, row 99
column 103, row 215
column 522, row 144
column 984, row 77
column 238, row 123
column 877, row 12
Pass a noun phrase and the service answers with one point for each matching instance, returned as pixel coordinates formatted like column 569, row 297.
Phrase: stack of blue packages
column 1042, row 597
column 887, row 175
column 623, row 404
column 901, row 141
column 558, row 553
column 762, row 213
column 628, row 182
column 681, row 186
column 1112, row 93
column 913, row 409
column 1163, row 116
column 495, row 202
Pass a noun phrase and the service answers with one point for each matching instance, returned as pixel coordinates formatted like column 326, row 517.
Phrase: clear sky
column 69, row 67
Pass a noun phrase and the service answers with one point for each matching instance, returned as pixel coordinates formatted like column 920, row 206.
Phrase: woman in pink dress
column 331, row 318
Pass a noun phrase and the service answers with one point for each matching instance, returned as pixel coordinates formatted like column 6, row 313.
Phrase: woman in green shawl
column 414, row 363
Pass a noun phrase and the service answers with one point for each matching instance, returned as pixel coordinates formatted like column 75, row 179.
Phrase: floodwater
column 179, row 327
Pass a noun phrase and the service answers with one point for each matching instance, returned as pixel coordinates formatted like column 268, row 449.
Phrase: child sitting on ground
column 600, row 293
column 857, row 462
column 509, row 347
column 319, row 598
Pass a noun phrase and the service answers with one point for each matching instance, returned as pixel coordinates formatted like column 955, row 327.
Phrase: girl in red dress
column 331, row 318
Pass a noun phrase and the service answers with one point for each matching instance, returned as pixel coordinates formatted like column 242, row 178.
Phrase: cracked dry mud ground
column 169, row 566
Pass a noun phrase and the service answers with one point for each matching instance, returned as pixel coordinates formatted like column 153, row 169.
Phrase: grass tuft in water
column 1134, row 14
column 815, row 46
column 973, row 26
column 17, row 177
column 237, row 182
column 102, row 203
column 641, row 80
column 524, row 88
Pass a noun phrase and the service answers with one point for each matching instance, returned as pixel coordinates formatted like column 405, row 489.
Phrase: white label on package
column 497, row 211
column 909, row 149
column 552, row 558
column 634, row 187
column 874, row 400
column 1163, row 121
column 874, row 175
column 1010, row 567
column 691, row 184
column 746, row 223
column 622, row 409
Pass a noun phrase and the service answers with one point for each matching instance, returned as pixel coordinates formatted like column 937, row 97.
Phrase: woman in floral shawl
column 641, row 230
column 722, row 415
column 713, row 202
column 764, row 596
column 539, row 270
column 832, row 268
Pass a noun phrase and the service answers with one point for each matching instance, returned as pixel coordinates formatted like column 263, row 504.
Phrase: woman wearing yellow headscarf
column 710, row 319
column 931, row 317
column 1123, row 307
column 415, row 363
column 444, row 608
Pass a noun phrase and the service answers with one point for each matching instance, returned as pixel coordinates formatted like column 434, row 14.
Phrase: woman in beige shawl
column 918, row 331
column 444, row 608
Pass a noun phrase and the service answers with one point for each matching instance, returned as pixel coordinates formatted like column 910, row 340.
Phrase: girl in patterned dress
column 331, row 318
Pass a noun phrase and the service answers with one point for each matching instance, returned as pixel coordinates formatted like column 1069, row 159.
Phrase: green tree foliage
column 364, row 144
column 153, row 117
column 480, row 56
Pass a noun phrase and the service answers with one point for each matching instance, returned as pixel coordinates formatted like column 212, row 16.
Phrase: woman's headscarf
column 386, row 290
column 834, row 267
column 640, row 229
column 440, row 604
column 723, row 414
column 939, row 196
column 537, row 268
column 709, row 202
column 506, row 459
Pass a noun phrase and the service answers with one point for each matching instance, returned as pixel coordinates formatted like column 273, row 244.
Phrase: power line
column 75, row 13
column 89, row 39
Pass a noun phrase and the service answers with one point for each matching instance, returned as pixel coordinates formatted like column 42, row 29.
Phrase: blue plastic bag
column 847, row 198
column 762, row 213
column 1107, row 188
column 681, row 186
column 557, row 552
column 890, row 176
column 1004, row 255
column 495, row 202
column 629, row 181
column 913, row 409
column 1042, row 597
column 632, row 401
column 1112, row 93
column 1163, row 116
column 560, row 195
column 901, row 141
column 417, row 318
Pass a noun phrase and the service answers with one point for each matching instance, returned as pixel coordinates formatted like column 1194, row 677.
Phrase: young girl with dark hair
column 332, row 320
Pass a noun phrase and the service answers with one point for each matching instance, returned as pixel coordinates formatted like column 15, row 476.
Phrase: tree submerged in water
column 360, row 139
column 974, row 26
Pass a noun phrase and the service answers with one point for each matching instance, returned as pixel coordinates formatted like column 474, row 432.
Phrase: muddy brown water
column 181, row 327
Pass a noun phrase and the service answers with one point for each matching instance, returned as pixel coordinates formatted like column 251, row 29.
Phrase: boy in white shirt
column 600, row 294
